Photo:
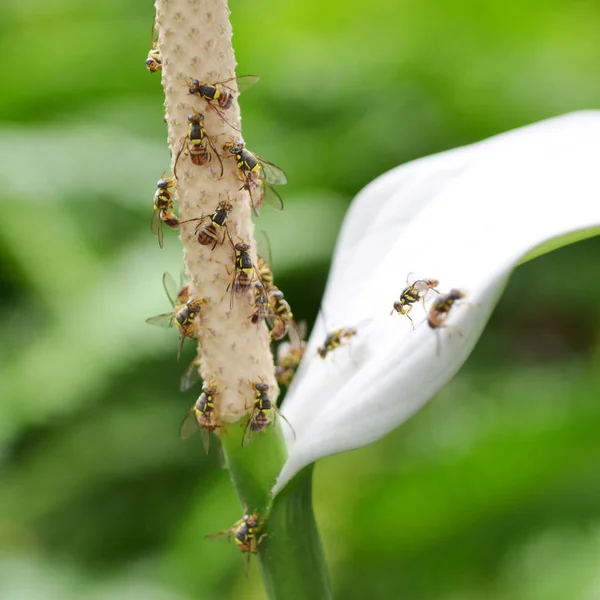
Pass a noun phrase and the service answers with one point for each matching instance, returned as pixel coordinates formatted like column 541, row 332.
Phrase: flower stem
column 292, row 561
column 290, row 554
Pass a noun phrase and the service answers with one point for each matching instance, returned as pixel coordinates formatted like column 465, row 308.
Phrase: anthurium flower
column 465, row 218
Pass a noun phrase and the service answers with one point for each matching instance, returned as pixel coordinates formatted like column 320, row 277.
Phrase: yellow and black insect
column 288, row 359
column 244, row 270
column 190, row 375
column 219, row 96
column 154, row 60
column 196, row 143
column 335, row 339
column 440, row 309
column 246, row 533
column 261, row 304
column 283, row 319
column 163, row 207
column 258, row 176
column 264, row 272
column 202, row 416
column 412, row 293
column 263, row 412
column 183, row 316
column 209, row 234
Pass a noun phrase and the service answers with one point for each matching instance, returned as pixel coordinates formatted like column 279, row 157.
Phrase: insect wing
column 189, row 426
column 288, row 423
column 302, row 329
column 190, row 377
column 256, row 195
column 271, row 196
column 220, row 535
column 205, row 439
column 272, row 173
column 180, row 347
column 164, row 320
column 249, row 434
column 171, row 288
column 212, row 147
column 154, row 34
column 156, row 227
column 294, row 335
column 264, row 248
column 245, row 82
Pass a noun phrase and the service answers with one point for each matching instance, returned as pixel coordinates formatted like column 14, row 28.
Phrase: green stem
column 290, row 554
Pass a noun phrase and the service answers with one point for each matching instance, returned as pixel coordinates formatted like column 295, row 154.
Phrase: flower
column 465, row 217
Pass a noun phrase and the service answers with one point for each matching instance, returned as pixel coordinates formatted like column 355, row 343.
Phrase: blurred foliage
column 492, row 491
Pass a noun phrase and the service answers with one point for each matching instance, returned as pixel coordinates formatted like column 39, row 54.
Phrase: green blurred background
column 492, row 491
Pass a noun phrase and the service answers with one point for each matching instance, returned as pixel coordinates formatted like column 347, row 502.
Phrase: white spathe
column 465, row 217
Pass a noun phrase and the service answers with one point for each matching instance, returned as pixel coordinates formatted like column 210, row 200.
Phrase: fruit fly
column 209, row 234
column 283, row 319
column 263, row 412
column 335, row 339
column 288, row 359
column 163, row 207
column 244, row 270
column 202, row 416
column 183, row 315
column 413, row 293
column 190, row 376
column 196, row 143
column 245, row 532
column 184, row 318
column 219, row 96
column 258, row 176
column 440, row 309
column 154, row 60
column 261, row 304
column 264, row 272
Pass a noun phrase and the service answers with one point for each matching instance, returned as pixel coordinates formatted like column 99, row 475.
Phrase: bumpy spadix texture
column 465, row 217
column 195, row 43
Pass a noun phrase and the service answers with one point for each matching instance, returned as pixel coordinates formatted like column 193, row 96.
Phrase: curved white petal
column 465, row 217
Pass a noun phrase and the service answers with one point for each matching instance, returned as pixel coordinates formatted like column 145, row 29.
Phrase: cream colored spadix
column 466, row 217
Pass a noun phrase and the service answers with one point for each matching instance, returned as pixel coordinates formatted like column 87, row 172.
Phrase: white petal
column 465, row 217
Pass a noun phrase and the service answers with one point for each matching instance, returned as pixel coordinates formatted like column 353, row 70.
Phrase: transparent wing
column 245, row 82
column 205, row 440
column 212, row 147
column 302, row 329
column 257, row 194
column 272, row 173
column 182, row 338
column 294, row 335
column 263, row 248
column 221, row 460
column 170, row 288
column 278, row 414
column 249, row 435
column 220, row 535
column 189, row 425
column 190, row 377
column 272, row 197
column 164, row 320
column 156, row 227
